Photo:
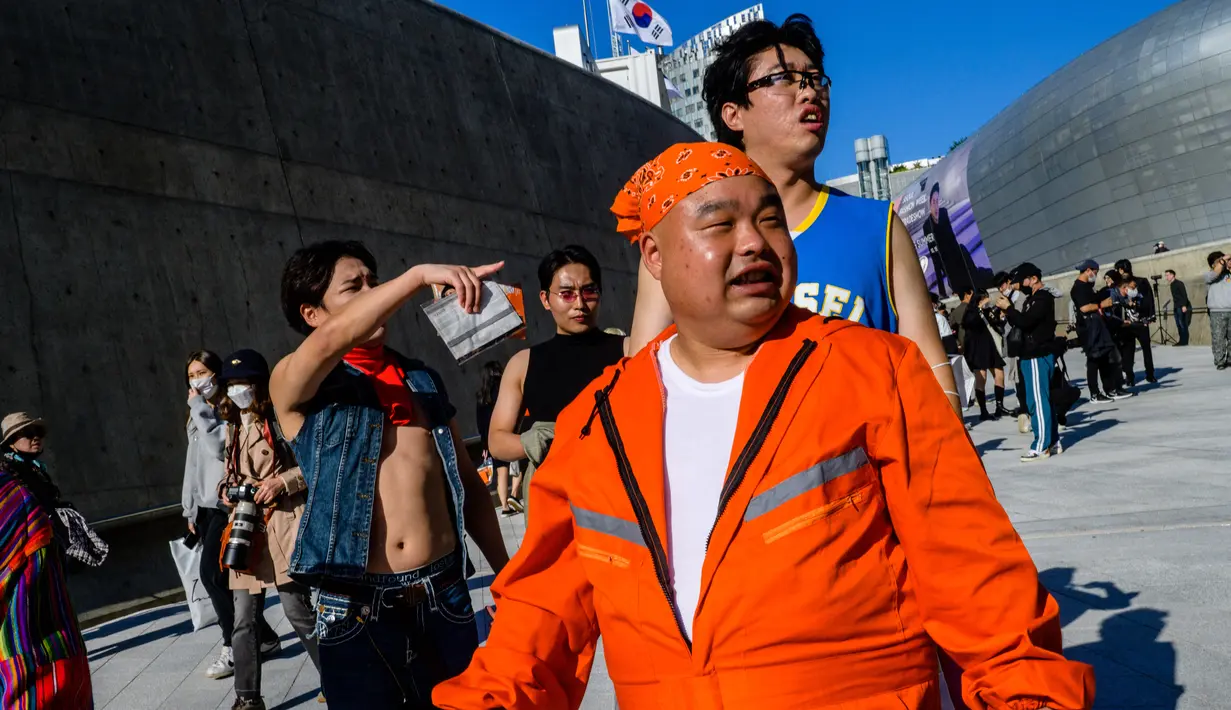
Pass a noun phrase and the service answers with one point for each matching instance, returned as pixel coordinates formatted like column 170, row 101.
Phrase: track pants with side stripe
column 1037, row 385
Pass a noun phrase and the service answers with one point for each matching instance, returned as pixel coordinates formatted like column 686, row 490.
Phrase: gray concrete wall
column 159, row 162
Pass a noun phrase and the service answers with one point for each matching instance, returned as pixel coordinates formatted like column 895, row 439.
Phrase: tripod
column 1164, row 338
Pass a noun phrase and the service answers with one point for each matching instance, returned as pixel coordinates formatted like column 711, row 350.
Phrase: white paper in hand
column 468, row 334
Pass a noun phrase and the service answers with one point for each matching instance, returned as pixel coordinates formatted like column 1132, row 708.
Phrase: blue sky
column 922, row 73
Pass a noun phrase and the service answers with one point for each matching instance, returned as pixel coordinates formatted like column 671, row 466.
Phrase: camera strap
column 281, row 447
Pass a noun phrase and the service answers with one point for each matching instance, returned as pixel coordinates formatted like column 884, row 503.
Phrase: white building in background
column 877, row 178
column 573, row 48
column 685, row 68
column 639, row 73
column 872, row 159
column 672, row 81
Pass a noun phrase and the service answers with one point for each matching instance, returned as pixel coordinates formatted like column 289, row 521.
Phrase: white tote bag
column 188, row 562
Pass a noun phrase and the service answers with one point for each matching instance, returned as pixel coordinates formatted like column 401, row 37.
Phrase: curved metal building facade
column 1127, row 145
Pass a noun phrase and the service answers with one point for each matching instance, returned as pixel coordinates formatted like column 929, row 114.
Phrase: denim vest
column 338, row 448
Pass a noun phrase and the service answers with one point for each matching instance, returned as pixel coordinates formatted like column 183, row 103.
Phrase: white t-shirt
column 943, row 325
column 698, row 437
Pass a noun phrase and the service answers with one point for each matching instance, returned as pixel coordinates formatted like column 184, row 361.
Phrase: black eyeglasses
column 791, row 81
column 589, row 293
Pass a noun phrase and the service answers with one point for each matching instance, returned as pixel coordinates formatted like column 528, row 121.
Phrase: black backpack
column 1063, row 393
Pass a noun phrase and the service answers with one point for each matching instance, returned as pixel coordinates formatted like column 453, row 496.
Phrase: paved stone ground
column 1130, row 527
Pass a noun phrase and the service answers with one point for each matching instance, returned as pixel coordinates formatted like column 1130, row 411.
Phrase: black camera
column 246, row 522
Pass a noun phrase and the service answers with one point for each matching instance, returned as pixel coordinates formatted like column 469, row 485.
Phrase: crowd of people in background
column 1014, row 336
column 372, row 572
column 1111, row 323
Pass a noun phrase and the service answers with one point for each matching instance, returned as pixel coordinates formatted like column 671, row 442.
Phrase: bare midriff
column 411, row 525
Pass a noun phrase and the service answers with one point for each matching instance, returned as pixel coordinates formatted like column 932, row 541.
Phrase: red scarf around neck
column 388, row 379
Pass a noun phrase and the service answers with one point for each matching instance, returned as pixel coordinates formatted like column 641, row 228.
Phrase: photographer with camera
column 1218, row 298
column 980, row 350
column 1037, row 322
column 1123, row 317
column 1011, row 344
column 207, row 517
column 1143, row 312
column 265, row 490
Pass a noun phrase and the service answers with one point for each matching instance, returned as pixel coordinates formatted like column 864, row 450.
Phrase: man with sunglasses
column 540, row 382
column 767, row 93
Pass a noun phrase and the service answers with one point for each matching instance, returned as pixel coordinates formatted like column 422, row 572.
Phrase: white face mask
column 1132, row 293
column 242, row 395
column 207, row 386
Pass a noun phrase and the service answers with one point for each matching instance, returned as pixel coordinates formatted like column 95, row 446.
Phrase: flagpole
column 592, row 38
column 585, row 17
column 615, row 38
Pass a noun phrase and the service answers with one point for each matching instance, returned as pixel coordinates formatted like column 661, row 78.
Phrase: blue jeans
column 379, row 651
column 1038, row 372
column 1181, row 325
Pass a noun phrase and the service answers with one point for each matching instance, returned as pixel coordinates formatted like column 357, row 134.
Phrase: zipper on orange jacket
column 641, row 510
column 760, row 433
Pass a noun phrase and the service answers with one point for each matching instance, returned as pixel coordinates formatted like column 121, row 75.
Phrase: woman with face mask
column 203, row 471
column 256, row 455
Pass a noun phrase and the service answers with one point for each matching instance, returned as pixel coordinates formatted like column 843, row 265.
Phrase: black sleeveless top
column 560, row 369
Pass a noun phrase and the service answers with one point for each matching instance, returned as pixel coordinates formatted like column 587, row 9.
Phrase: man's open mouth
column 756, row 275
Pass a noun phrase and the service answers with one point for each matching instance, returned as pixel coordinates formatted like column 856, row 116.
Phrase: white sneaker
column 1023, row 424
column 271, row 647
column 1032, row 456
column 224, row 667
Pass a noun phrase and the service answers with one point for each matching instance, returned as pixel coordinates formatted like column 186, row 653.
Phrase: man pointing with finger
column 391, row 492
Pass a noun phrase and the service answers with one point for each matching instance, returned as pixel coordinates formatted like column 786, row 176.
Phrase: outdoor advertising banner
column 936, row 210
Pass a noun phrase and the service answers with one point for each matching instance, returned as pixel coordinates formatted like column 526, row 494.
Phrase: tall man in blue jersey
column 767, row 93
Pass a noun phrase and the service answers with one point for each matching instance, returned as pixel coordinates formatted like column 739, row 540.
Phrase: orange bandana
column 675, row 174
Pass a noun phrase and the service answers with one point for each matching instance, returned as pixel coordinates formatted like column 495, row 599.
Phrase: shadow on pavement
column 480, row 582
column 1077, row 434
column 1077, row 417
column 1131, row 666
column 138, row 619
column 298, row 700
column 989, row 445
column 1075, row 600
column 180, row 629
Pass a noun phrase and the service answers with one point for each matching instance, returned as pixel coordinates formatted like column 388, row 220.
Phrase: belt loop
column 430, row 589
column 379, row 594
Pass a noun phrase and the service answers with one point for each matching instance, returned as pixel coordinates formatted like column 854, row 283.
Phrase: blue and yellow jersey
column 843, row 252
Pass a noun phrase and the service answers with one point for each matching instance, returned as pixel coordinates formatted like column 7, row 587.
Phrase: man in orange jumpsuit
column 762, row 509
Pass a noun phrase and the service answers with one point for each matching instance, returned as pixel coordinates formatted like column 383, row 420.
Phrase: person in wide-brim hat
column 50, row 664
column 18, row 423
column 21, row 449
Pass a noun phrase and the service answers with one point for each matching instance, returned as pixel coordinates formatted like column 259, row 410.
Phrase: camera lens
column 245, row 522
